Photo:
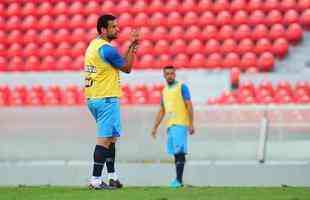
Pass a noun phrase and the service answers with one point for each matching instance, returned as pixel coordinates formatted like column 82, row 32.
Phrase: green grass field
column 154, row 193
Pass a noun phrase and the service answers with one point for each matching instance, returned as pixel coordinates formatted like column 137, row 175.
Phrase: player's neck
column 172, row 83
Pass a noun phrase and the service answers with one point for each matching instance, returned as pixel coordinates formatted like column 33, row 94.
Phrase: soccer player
column 176, row 104
column 102, row 89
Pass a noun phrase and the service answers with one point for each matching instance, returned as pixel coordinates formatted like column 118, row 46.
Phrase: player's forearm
column 129, row 57
column 190, row 111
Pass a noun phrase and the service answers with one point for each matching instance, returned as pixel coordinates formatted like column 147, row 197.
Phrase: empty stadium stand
column 52, row 35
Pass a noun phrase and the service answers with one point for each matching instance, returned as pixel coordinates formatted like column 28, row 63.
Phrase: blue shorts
column 177, row 139
column 106, row 112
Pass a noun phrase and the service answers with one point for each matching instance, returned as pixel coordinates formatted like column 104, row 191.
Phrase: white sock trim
column 112, row 176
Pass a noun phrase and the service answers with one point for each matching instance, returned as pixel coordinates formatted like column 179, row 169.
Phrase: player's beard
column 112, row 37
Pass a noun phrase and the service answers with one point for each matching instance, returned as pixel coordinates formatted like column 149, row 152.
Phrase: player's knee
column 180, row 158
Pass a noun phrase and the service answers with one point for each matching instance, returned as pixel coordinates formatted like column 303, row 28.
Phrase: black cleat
column 102, row 186
column 115, row 183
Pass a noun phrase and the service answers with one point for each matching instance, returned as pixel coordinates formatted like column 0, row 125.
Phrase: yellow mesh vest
column 174, row 105
column 101, row 79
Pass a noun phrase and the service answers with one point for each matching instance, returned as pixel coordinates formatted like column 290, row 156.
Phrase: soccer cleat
column 115, row 183
column 101, row 186
column 175, row 184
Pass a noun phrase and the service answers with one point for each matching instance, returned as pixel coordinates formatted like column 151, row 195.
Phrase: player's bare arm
column 159, row 117
column 130, row 53
column 190, row 110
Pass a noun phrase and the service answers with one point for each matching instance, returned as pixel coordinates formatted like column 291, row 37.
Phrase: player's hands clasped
column 135, row 37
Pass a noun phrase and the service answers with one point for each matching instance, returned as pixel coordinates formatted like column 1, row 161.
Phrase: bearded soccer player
column 176, row 104
column 102, row 89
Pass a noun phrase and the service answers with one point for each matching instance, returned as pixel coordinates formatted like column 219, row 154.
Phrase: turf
column 154, row 193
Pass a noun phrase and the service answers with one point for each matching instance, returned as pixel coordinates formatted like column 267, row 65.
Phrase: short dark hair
column 168, row 67
column 103, row 22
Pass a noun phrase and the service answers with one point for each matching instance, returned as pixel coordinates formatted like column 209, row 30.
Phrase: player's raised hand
column 135, row 36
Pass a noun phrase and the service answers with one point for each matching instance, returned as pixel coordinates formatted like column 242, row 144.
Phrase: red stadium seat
column 260, row 31
column 16, row 64
column 78, row 49
column 78, row 63
column 63, row 49
column 174, row 19
column 62, row 35
column 288, row 4
column 15, row 49
column 157, row 19
column 48, row 63
column 277, row 31
column 192, row 32
column 91, row 20
column 14, row 36
column 13, row 9
column 220, row 5
column 223, row 18
column 234, row 75
column 188, row 6
column 145, row 33
column 271, row 5
column 195, row 46
column 13, row 22
column 93, row 7
column 76, row 8
column 206, row 18
column 29, row 8
column 263, row 45
column 139, row 6
column 46, row 35
column 161, row 46
column 31, row 35
column 163, row 60
column 32, row 64
column 175, row 33
column 3, row 64
column 228, row 46
column 124, row 19
column 198, row 60
column 232, row 60
column 226, row 32
column 212, row 46
column 141, row 19
column 238, row 5
column 181, row 61
column 147, row 61
column 156, row 6
column 209, row 32
column 160, row 32
column 242, row 32
column 124, row 34
column 266, row 62
column 255, row 5
column 294, row 33
column 171, row 6
column 77, row 21
column 29, row 22
column 214, row 60
column 240, row 17
column 3, row 50
column 64, row 63
column 257, row 17
column 60, row 8
column 302, row 85
column 245, row 45
column 46, row 21
column 280, row 47
column 178, row 46
column 31, row 49
column 61, row 21
column 303, row 5
column 77, row 35
column 145, row 47
column 274, row 17
column 290, row 17
column 305, row 18
column 190, row 18
column 248, row 60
